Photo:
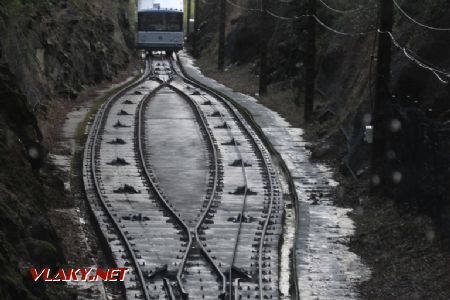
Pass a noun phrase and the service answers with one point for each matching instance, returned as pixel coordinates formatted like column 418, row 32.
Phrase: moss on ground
column 80, row 133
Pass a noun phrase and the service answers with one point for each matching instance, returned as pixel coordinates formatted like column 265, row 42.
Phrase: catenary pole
column 221, row 54
column 188, row 15
column 310, row 62
column 380, row 120
column 263, row 49
column 196, row 28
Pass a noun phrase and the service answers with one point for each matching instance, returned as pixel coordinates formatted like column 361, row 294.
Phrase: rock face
column 26, row 235
column 49, row 50
column 59, row 47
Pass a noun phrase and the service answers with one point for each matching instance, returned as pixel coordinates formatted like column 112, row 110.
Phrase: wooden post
column 380, row 116
column 188, row 16
column 263, row 49
column 310, row 62
column 221, row 54
column 196, row 28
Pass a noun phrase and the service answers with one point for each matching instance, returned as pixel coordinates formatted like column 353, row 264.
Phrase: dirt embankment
column 50, row 51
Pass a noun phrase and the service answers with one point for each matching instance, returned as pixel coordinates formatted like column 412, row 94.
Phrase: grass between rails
column 81, row 129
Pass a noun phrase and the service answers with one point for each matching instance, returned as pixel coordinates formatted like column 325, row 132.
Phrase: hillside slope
column 345, row 78
column 49, row 52
column 403, row 234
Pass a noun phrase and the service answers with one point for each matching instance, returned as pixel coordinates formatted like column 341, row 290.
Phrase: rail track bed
column 184, row 192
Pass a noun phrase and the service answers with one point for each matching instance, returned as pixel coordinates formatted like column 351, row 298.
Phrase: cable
column 243, row 8
column 321, row 23
column 286, row 18
column 417, row 22
column 425, row 61
column 295, row 18
column 418, row 61
column 338, row 10
column 340, row 32
column 268, row 11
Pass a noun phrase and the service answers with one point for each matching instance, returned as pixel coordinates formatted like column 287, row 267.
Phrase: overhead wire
column 243, row 8
column 295, row 18
column 440, row 74
column 321, row 23
column 338, row 10
column 417, row 22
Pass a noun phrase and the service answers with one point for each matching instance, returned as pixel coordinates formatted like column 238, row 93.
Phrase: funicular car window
column 152, row 22
column 174, row 22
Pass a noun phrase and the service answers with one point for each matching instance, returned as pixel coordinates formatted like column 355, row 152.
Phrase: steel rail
column 169, row 289
column 284, row 168
column 244, row 202
column 238, row 117
column 204, row 123
column 92, row 145
column 90, row 153
column 157, row 191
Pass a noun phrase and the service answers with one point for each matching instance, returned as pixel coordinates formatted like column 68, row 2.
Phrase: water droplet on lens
column 33, row 152
column 376, row 180
column 367, row 119
column 397, row 177
column 395, row 125
column 391, row 154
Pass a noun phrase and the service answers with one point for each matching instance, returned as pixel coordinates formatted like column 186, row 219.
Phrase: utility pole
column 380, row 117
column 188, row 23
column 222, row 16
column 310, row 63
column 263, row 50
column 196, row 28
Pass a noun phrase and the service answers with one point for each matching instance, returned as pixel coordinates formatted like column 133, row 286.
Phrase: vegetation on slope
column 401, row 236
column 50, row 51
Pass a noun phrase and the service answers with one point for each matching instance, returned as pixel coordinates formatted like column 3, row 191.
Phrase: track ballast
column 216, row 239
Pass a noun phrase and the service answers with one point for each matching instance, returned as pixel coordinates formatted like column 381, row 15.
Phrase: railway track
column 217, row 240
column 257, row 162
